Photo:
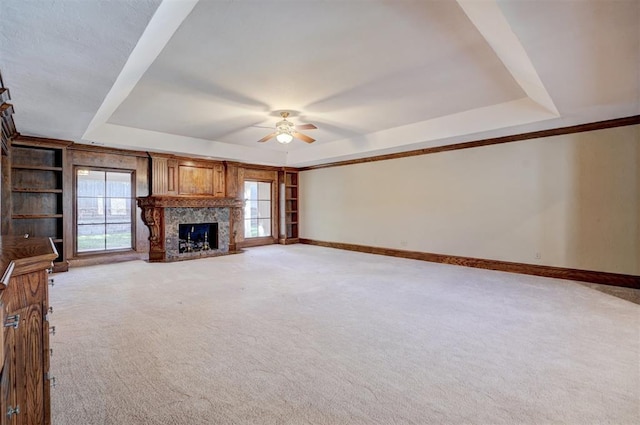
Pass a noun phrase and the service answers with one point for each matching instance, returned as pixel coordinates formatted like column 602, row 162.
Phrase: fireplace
column 196, row 237
column 178, row 225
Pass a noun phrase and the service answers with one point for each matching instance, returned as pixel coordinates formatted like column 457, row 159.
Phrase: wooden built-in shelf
column 28, row 216
column 288, row 179
column 36, row 182
column 30, row 190
column 4, row 95
column 36, row 167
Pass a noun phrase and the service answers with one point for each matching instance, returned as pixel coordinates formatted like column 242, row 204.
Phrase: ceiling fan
column 286, row 131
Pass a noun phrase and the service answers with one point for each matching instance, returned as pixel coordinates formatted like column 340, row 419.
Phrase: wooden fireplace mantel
column 153, row 215
column 188, row 202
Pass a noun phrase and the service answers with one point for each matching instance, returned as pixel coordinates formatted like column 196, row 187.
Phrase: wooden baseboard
column 60, row 266
column 605, row 278
column 248, row 243
column 107, row 258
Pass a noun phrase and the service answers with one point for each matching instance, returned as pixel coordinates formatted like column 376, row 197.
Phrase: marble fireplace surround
column 162, row 214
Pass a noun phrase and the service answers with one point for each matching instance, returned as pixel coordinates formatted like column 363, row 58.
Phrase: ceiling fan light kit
column 286, row 131
column 284, row 138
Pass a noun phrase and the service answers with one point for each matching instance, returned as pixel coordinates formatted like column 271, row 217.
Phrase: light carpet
column 309, row 335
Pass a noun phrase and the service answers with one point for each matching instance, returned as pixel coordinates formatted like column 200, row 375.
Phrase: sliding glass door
column 104, row 210
column 257, row 209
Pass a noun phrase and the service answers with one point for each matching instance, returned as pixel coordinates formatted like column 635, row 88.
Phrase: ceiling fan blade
column 303, row 137
column 265, row 138
column 306, row 127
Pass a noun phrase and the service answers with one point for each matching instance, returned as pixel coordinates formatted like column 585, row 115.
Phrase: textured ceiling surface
column 367, row 65
column 60, row 59
column 208, row 78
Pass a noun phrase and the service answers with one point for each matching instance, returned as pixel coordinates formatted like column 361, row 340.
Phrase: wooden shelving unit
column 288, row 180
column 37, row 192
column 36, row 167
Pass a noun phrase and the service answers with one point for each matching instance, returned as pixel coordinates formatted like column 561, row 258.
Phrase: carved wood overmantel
column 178, row 176
column 153, row 214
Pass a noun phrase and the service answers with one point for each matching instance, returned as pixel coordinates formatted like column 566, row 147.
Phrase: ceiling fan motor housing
column 284, row 126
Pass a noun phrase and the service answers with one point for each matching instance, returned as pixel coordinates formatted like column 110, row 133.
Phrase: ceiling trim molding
column 153, row 141
column 439, row 131
column 580, row 128
column 494, row 27
column 164, row 23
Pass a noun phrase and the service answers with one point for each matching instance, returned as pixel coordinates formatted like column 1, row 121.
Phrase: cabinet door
column 46, row 362
column 7, row 389
column 29, row 365
column 218, row 180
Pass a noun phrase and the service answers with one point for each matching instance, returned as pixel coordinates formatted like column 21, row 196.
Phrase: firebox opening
column 196, row 237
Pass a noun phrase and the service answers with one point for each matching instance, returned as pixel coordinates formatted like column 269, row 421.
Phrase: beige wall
column 572, row 199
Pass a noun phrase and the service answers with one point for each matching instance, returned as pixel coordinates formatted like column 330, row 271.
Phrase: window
column 257, row 209
column 104, row 210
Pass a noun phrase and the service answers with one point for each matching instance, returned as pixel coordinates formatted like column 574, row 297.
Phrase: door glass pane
column 264, row 227
column 264, row 191
column 250, row 190
column 251, row 228
column 251, row 209
column 91, row 237
column 118, row 236
column 264, row 209
column 118, row 210
column 90, row 183
column 118, row 185
column 90, row 210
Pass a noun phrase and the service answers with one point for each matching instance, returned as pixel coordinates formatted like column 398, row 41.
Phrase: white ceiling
column 208, row 78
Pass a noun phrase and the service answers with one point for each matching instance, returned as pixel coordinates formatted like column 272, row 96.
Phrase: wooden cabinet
column 37, row 192
column 288, row 180
column 7, row 126
column 24, row 306
column 172, row 175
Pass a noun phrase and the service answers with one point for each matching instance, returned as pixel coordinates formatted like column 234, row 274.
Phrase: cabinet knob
column 50, row 378
column 13, row 411
column 52, row 330
column 49, row 313
column 12, row 321
column 51, row 282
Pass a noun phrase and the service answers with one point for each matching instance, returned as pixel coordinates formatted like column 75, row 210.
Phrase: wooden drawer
column 26, row 290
